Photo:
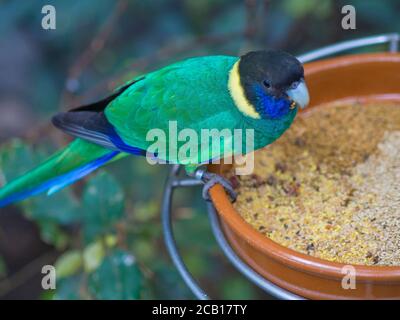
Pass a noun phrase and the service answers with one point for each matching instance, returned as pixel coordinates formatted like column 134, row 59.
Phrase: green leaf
column 61, row 208
column 118, row 277
column 110, row 240
column 103, row 205
column 68, row 264
column 93, row 255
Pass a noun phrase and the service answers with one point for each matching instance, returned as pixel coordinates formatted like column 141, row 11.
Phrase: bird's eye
column 267, row 84
column 294, row 85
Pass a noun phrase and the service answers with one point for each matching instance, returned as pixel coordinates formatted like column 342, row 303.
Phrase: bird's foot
column 210, row 179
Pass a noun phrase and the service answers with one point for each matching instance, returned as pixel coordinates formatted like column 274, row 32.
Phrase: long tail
column 66, row 166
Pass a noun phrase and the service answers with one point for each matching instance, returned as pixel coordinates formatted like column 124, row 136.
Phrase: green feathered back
column 195, row 93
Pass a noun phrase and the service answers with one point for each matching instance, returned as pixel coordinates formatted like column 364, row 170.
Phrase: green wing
column 193, row 93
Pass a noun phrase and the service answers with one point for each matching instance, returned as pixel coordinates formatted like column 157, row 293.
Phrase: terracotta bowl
column 364, row 77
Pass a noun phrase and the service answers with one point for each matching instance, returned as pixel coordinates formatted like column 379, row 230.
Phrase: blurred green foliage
column 106, row 229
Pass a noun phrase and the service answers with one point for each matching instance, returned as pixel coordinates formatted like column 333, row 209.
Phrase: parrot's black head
column 272, row 82
column 275, row 70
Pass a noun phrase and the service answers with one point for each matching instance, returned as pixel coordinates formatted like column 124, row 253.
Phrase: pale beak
column 299, row 94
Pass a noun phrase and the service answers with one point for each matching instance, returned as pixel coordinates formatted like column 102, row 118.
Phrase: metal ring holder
column 174, row 181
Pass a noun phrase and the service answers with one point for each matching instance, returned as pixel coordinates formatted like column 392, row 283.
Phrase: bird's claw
column 210, row 179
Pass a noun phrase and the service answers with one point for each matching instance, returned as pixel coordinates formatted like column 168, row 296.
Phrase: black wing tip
column 64, row 119
column 57, row 120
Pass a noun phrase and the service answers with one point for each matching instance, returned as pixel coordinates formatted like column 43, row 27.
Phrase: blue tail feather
column 55, row 184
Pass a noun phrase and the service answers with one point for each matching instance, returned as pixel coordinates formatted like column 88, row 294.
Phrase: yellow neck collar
column 237, row 93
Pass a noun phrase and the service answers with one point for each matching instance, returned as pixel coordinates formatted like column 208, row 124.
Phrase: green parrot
column 260, row 90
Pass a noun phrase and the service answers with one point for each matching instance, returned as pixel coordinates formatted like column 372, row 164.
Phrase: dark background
column 93, row 227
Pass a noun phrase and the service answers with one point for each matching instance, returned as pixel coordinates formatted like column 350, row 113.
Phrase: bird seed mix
column 330, row 186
